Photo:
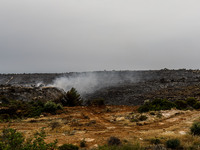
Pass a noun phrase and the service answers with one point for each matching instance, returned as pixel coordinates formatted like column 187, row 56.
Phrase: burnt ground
column 127, row 87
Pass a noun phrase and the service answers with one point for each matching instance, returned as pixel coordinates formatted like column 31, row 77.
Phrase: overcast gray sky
column 88, row 35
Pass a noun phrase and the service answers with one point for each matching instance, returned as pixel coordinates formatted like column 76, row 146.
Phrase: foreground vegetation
column 11, row 139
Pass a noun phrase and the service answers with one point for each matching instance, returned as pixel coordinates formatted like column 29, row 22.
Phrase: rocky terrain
column 116, row 87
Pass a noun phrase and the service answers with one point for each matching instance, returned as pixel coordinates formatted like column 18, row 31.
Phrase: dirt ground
column 96, row 124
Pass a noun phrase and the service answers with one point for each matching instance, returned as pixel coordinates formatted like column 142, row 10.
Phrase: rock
column 120, row 119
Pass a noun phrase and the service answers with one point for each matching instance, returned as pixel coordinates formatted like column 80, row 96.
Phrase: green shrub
column 180, row 104
column 144, row 108
column 51, row 107
column 114, row 141
column 191, row 101
column 68, row 147
column 173, row 143
column 59, row 107
column 72, row 98
column 195, row 129
column 156, row 105
column 11, row 139
column 197, row 105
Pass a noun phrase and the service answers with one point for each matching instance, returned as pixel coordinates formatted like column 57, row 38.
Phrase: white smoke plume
column 89, row 82
column 82, row 83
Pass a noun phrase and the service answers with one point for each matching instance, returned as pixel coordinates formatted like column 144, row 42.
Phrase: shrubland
column 164, row 104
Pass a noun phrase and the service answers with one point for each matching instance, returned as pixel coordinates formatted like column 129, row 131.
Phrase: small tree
column 72, row 98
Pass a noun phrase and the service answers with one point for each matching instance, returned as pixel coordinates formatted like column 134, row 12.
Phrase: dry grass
column 97, row 125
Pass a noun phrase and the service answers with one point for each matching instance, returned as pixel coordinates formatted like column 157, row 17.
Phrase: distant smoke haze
column 86, row 83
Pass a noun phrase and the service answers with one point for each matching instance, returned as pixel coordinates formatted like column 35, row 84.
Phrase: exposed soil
column 96, row 124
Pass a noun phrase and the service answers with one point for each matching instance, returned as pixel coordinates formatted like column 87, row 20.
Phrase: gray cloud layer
column 86, row 35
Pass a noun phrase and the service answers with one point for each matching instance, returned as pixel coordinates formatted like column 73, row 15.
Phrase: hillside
column 117, row 87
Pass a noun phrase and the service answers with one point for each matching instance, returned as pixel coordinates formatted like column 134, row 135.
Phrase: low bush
column 20, row 109
column 155, row 141
column 156, row 105
column 197, row 105
column 142, row 118
column 51, row 107
column 121, row 147
column 173, row 143
column 54, row 125
column 191, row 101
column 96, row 102
column 114, row 141
column 83, row 143
column 195, row 128
column 181, row 104
column 68, row 147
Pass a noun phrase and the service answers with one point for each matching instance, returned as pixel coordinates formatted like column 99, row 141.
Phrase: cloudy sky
column 88, row 35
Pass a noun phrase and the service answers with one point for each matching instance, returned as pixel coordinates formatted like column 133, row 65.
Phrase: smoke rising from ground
column 86, row 83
